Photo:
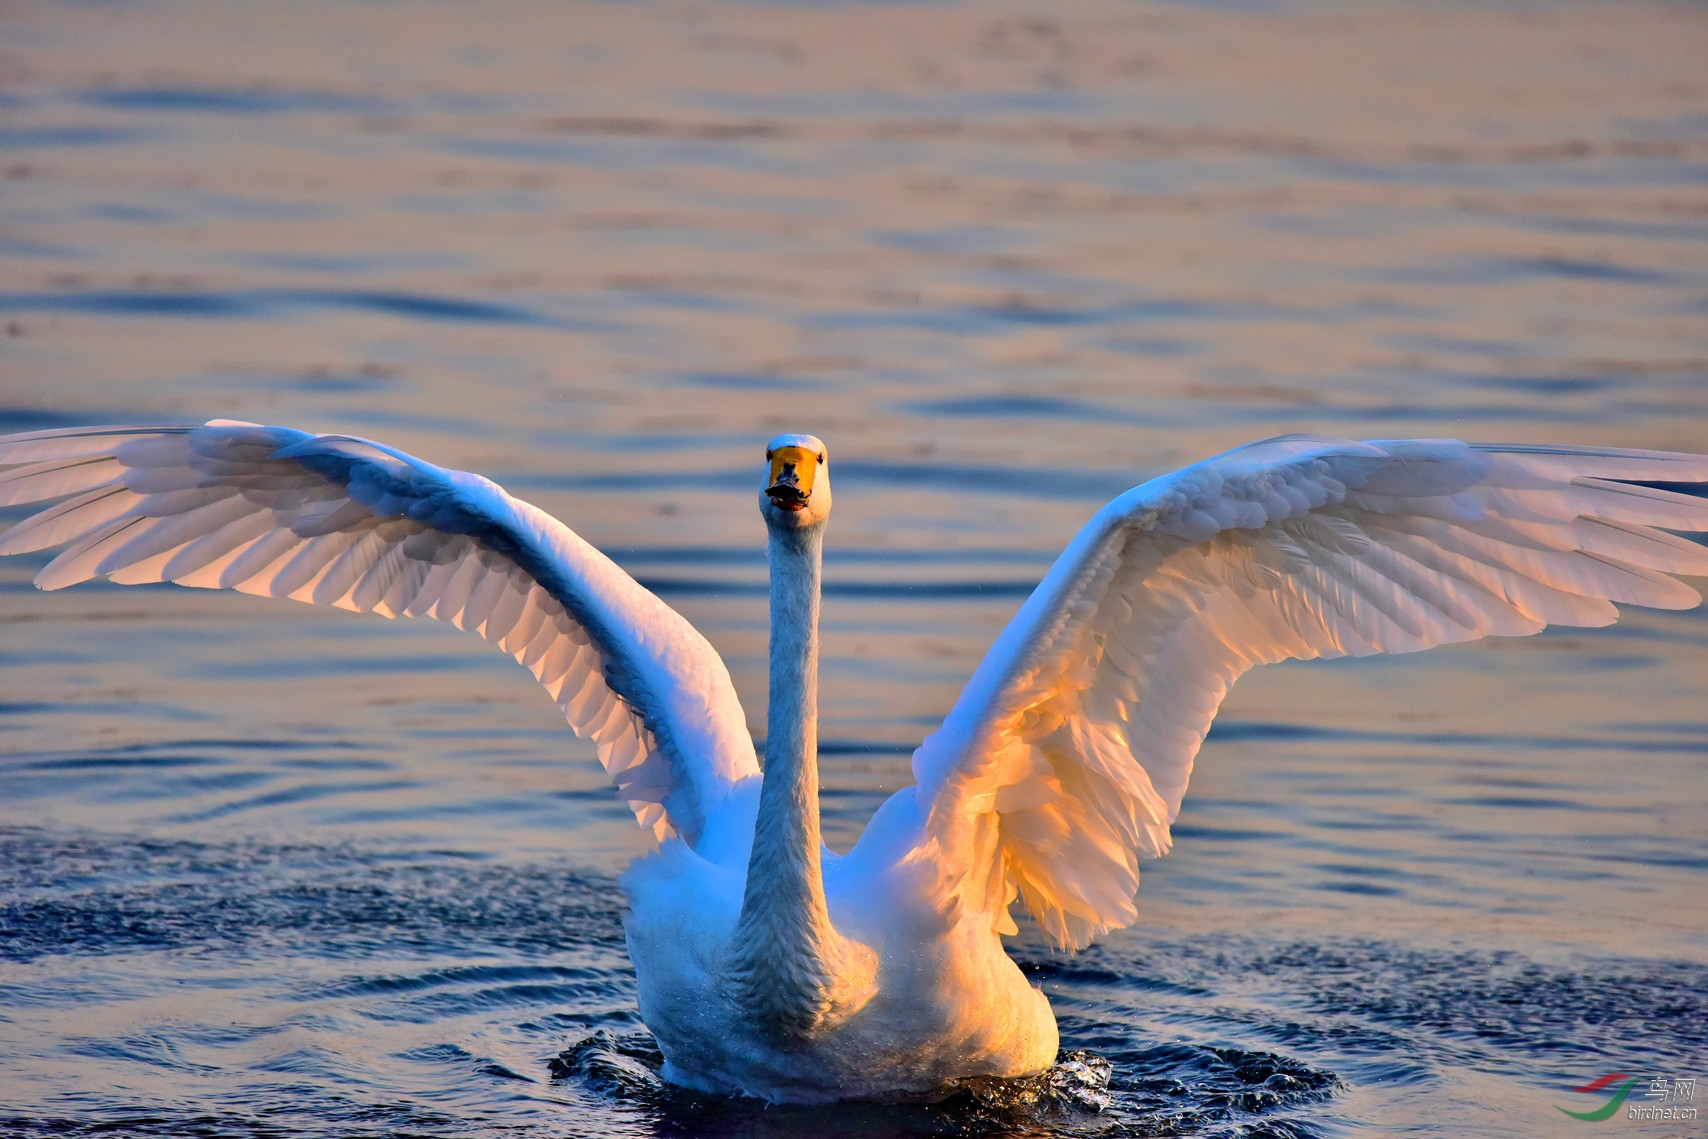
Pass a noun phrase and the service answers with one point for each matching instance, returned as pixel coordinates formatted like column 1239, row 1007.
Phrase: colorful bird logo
column 1606, row 1110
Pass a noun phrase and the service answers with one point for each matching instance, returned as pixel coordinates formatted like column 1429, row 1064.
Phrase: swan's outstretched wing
column 336, row 520
column 1067, row 755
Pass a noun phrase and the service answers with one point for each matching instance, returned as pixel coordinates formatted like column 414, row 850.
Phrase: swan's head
column 797, row 482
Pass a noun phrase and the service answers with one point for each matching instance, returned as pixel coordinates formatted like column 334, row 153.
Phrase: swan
column 766, row 965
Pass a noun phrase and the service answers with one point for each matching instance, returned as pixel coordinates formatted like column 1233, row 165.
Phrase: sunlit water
column 268, row 870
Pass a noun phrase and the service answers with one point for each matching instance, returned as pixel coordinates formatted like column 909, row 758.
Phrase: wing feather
column 37, row 482
column 408, row 595
column 171, row 529
column 250, row 570
column 74, row 518
column 346, row 522
column 221, row 546
column 1068, row 754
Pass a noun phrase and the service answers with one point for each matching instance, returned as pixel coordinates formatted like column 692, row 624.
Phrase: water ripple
column 254, row 304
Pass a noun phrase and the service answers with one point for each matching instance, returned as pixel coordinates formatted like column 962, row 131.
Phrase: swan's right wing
column 336, row 520
column 1067, row 755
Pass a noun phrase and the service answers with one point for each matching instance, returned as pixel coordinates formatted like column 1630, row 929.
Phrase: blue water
column 268, row 870
column 316, row 948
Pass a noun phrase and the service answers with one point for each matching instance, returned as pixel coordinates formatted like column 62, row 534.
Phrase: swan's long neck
column 786, row 953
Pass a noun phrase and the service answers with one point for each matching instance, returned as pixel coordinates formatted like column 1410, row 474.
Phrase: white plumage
column 766, row 964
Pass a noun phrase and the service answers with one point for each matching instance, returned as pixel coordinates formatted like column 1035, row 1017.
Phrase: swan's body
column 766, row 964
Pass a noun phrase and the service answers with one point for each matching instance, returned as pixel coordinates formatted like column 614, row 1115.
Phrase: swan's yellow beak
column 792, row 471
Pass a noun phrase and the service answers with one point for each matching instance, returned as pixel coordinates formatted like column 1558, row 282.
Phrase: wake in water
column 346, row 991
column 1172, row 1091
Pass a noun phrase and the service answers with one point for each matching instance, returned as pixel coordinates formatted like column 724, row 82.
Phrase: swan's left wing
column 336, row 520
column 1067, row 755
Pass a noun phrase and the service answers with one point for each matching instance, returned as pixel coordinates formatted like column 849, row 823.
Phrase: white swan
column 766, row 964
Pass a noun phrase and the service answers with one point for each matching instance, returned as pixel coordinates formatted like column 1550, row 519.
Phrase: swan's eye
column 768, row 455
column 821, row 460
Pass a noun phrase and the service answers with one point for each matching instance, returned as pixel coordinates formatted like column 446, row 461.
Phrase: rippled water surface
column 267, row 870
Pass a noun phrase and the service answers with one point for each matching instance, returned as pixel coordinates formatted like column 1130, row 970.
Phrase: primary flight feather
column 766, row 965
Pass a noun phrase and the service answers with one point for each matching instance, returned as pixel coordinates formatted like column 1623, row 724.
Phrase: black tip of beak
column 787, row 496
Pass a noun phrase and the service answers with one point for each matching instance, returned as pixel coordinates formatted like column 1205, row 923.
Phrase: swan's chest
column 946, row 1007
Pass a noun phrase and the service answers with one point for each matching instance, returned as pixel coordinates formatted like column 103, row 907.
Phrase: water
column 269, row 870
